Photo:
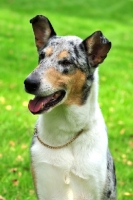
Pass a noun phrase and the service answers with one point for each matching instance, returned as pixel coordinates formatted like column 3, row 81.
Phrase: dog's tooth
column 57, row 95
column 42, row 106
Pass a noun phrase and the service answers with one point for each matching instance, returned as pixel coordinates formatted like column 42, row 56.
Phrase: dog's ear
column 96, row 47
column 42, row 29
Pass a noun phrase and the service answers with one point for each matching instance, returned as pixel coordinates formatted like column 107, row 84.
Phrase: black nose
column 31, row 85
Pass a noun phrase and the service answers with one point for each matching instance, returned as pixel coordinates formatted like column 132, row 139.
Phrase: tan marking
column 73, row 83
column 63, row 54
column 49, row 51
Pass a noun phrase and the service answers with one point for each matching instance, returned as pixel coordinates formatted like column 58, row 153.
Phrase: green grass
column 19, row 57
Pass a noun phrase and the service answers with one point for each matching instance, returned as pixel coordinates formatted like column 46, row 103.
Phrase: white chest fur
column 74, row 172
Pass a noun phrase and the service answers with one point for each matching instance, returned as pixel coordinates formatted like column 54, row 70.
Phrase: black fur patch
column 72, row 43
column 115, row 182
column 76, row 52
column 86, row 90
column 90, row 77
column 108, row 194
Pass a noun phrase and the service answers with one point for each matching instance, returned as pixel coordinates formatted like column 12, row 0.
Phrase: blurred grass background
column 18, row 57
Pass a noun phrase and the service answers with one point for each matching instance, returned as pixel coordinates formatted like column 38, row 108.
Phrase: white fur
column 78, row 171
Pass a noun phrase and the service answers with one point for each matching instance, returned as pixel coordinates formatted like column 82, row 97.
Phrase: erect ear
column 42, row 29
column 97, row 47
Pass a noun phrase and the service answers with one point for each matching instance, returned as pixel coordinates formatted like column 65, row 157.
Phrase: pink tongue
column 37, row 103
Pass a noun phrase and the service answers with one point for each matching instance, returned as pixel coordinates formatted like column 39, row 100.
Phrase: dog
column 70, row 159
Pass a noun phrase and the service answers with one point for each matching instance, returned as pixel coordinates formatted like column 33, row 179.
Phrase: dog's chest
column 70, row 176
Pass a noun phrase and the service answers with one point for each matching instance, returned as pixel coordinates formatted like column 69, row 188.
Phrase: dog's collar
column 56, row 147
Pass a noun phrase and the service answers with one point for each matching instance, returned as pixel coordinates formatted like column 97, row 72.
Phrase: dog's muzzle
column 41, row 103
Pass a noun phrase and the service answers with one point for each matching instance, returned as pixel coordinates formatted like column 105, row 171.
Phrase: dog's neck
column 66, row 121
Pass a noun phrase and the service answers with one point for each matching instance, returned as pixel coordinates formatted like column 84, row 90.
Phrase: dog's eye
column 65, row 62
column 42, row 56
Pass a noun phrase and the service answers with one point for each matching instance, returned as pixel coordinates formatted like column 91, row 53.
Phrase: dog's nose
column 31, row 85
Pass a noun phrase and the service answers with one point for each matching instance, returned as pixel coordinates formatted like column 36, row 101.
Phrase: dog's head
column 66, row 67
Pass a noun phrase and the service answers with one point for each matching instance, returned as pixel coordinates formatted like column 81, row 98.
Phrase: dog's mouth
column 42, row 104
